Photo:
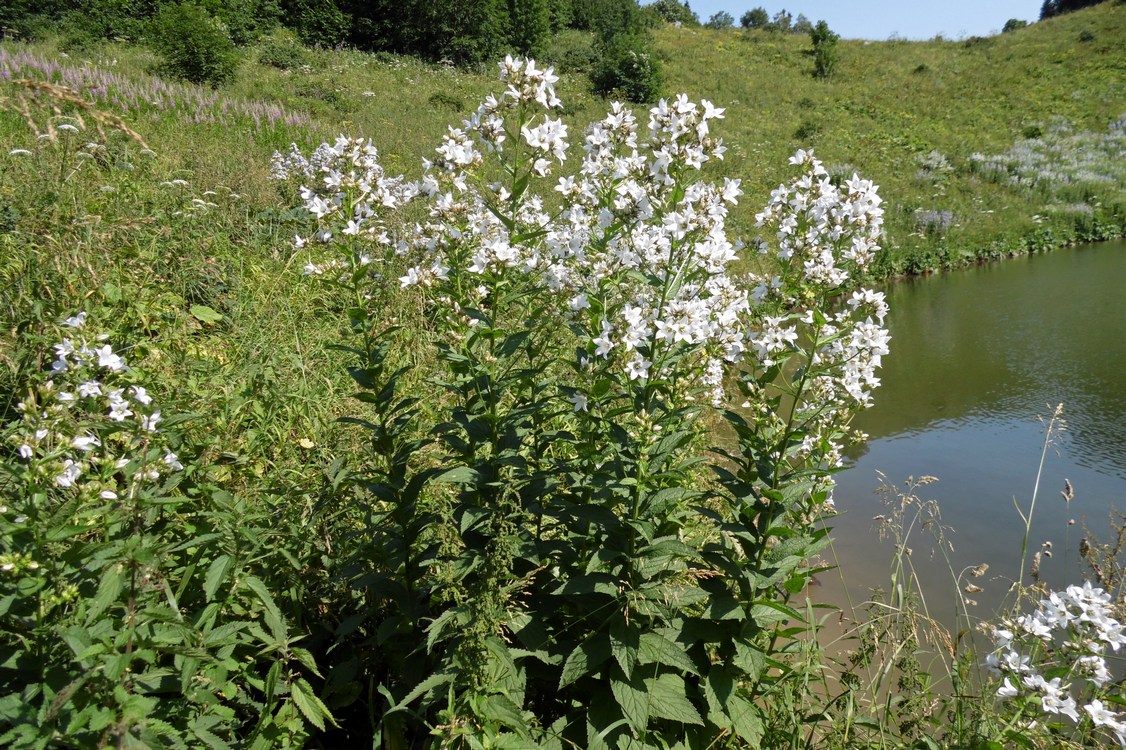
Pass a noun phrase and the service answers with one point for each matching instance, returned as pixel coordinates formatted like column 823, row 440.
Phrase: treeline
column 1052, row 8
column 461, row 32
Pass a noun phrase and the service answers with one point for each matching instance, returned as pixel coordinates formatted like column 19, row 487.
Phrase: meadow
column 300, row 453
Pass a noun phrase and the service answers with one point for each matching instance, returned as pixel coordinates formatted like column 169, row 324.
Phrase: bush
column 628, row 68
column 824, row 50
column 282, row 54
column 195, row 46
column 756, row 18
column 320, row 23
column 1013, row 24
column 572, row 51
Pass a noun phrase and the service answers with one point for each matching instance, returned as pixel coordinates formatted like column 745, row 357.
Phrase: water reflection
column 976, row 357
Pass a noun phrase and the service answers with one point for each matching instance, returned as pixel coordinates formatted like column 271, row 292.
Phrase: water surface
column 978, row 357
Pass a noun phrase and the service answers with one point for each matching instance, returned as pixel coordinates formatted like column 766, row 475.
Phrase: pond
column 978, row 358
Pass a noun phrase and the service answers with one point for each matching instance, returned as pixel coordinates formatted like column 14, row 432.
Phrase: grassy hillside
column 890, row 104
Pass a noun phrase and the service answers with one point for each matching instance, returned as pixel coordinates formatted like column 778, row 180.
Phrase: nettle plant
column 557, row 559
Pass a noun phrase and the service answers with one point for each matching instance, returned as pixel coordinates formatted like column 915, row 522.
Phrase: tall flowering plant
column 578, row 573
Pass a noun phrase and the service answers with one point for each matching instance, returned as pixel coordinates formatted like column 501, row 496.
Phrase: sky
column 880, row 19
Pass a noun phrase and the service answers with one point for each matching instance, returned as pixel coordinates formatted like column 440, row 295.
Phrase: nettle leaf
column 271, row 614
column 631, row 696
column 668, row 700
column 625, row 639
column 585, row 659
column 307, row 702
column 656, row 649
column 109, row 588
column 216, row 574
column 504, row 711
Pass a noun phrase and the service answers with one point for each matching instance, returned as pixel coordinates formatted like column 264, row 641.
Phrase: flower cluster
column 1060, row 159
column 347, row 194
column 1058, row 653
column 88, row 422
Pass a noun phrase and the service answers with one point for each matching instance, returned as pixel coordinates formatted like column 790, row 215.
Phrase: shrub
column 1013, row 24
column 572, row 51
column 628, row 68
column 824, row 50
column 282, row 54
column 320, row 23
column 194, row 45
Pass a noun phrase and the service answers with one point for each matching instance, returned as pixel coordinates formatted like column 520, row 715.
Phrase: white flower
column 76, row 321
column 172, row 461
column 71, row 472
column 108, row 359
column 148, row 422
column 85, row 442
column 579, row 401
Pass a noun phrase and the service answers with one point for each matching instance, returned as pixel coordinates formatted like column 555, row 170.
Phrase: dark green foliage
column 755, row 18
column 1052, row 8
column 195, row 46
column 529, row 24
column 246, row 20
column 802, row 25
column 281, row 53
column 318, row 23
column 824, row 50
column 628, row 68
column 721, row 20
column 572, row 51
column 1013, row 24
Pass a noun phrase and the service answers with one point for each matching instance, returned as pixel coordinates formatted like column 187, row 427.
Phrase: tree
column 1059, row 7
column 802, row 25
column 756, row 18
column 824, row 50
column 721, row 20
column 673, row 11
column 529, row 23
column 782, row 22
column 1013, row 24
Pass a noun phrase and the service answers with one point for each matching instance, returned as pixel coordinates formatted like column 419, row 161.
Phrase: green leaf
column 501, row 709
column 216, row 573
column 585, row 659
column 656, row 649
column 625, row 638
column 205, row 314
column 668, row 700
column 632, row 699
column 272, row 614
column 458, row 475
column 109, row 588
column 309, row 704
column 422, row 688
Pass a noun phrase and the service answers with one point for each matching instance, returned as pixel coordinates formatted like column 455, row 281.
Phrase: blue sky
column 879, row 19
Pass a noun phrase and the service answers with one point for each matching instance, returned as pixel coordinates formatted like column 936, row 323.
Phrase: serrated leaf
column 501, row 709
column 205, row 314
column 583, row 661
column 668, row 700
column 216, row 572
column 656, row 649
column 632, row 699
column 271, row 613
column 309, row 704
column 109, row 588
column 624, row 642
column 422, row 688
